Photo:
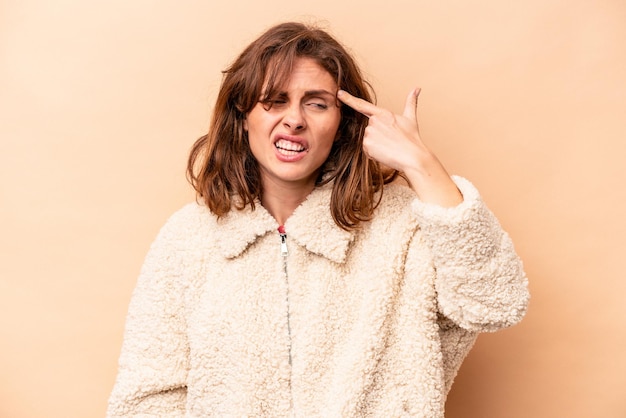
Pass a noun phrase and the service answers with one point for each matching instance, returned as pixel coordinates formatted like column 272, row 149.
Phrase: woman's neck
column 282, row 201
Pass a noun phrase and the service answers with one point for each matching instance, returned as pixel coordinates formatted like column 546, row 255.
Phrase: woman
column 303, row 282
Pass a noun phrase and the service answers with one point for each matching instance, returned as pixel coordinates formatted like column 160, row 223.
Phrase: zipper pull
column 283, row 245
column 283, row 240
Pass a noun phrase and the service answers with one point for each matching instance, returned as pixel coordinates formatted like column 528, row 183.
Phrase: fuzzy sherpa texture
column 369, row 323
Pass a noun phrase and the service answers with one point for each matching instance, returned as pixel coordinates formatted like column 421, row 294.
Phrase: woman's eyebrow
column 307, row 94
column 320, row 92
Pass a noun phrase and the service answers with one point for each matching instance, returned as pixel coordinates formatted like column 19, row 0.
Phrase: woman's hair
column 221, row 167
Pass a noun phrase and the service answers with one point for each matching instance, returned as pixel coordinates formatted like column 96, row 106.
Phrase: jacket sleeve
column 154, row 360
column 480, row 281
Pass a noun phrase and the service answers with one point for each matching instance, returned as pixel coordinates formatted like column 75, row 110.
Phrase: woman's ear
column 245, row 123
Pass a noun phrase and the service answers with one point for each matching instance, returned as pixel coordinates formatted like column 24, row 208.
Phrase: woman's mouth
column 286, row 147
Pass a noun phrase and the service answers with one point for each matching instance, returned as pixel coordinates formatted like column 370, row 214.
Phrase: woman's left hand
column 394, row 141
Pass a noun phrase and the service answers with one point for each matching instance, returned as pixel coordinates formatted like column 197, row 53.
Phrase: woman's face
column 292, row 139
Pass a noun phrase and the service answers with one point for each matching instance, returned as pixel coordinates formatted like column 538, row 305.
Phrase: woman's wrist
column 432, row 183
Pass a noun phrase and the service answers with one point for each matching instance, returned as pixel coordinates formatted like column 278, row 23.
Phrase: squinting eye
column 317, row 105
column 270, row 104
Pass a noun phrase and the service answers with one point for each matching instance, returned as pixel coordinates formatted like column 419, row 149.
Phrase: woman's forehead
column 305, row 74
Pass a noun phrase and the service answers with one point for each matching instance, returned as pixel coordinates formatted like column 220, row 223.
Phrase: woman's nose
column 294, row 118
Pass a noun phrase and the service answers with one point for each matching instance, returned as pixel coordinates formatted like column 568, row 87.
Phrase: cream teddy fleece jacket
column 368, row 323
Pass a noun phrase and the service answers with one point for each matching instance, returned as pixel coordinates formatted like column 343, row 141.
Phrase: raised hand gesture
column 394, row 141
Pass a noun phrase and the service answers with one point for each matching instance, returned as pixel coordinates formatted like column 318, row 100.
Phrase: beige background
column 100, row 102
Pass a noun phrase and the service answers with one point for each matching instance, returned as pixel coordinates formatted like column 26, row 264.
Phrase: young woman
column 304, row 282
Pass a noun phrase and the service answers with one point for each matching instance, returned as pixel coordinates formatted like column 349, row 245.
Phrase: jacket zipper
column 285, row 253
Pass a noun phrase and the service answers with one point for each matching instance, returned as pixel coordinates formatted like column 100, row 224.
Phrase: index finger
column 360, row 105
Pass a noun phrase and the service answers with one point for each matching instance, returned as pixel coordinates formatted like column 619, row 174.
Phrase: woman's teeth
column 288, row 147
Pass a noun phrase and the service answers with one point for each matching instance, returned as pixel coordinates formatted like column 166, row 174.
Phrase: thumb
column 410, row 108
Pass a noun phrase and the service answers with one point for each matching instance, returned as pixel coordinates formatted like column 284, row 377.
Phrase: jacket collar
column 310, row 226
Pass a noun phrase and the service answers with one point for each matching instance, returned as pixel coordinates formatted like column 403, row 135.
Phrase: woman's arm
column 479, row 280
column 480, row 283
column 154, row 360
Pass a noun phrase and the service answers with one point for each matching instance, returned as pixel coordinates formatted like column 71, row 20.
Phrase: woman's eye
column 275, row 104
column 317, row 105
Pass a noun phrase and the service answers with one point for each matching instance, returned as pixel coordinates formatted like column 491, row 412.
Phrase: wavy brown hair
column 221, row 167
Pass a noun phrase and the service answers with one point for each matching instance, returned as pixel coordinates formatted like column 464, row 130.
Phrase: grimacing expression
column 291, row 135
